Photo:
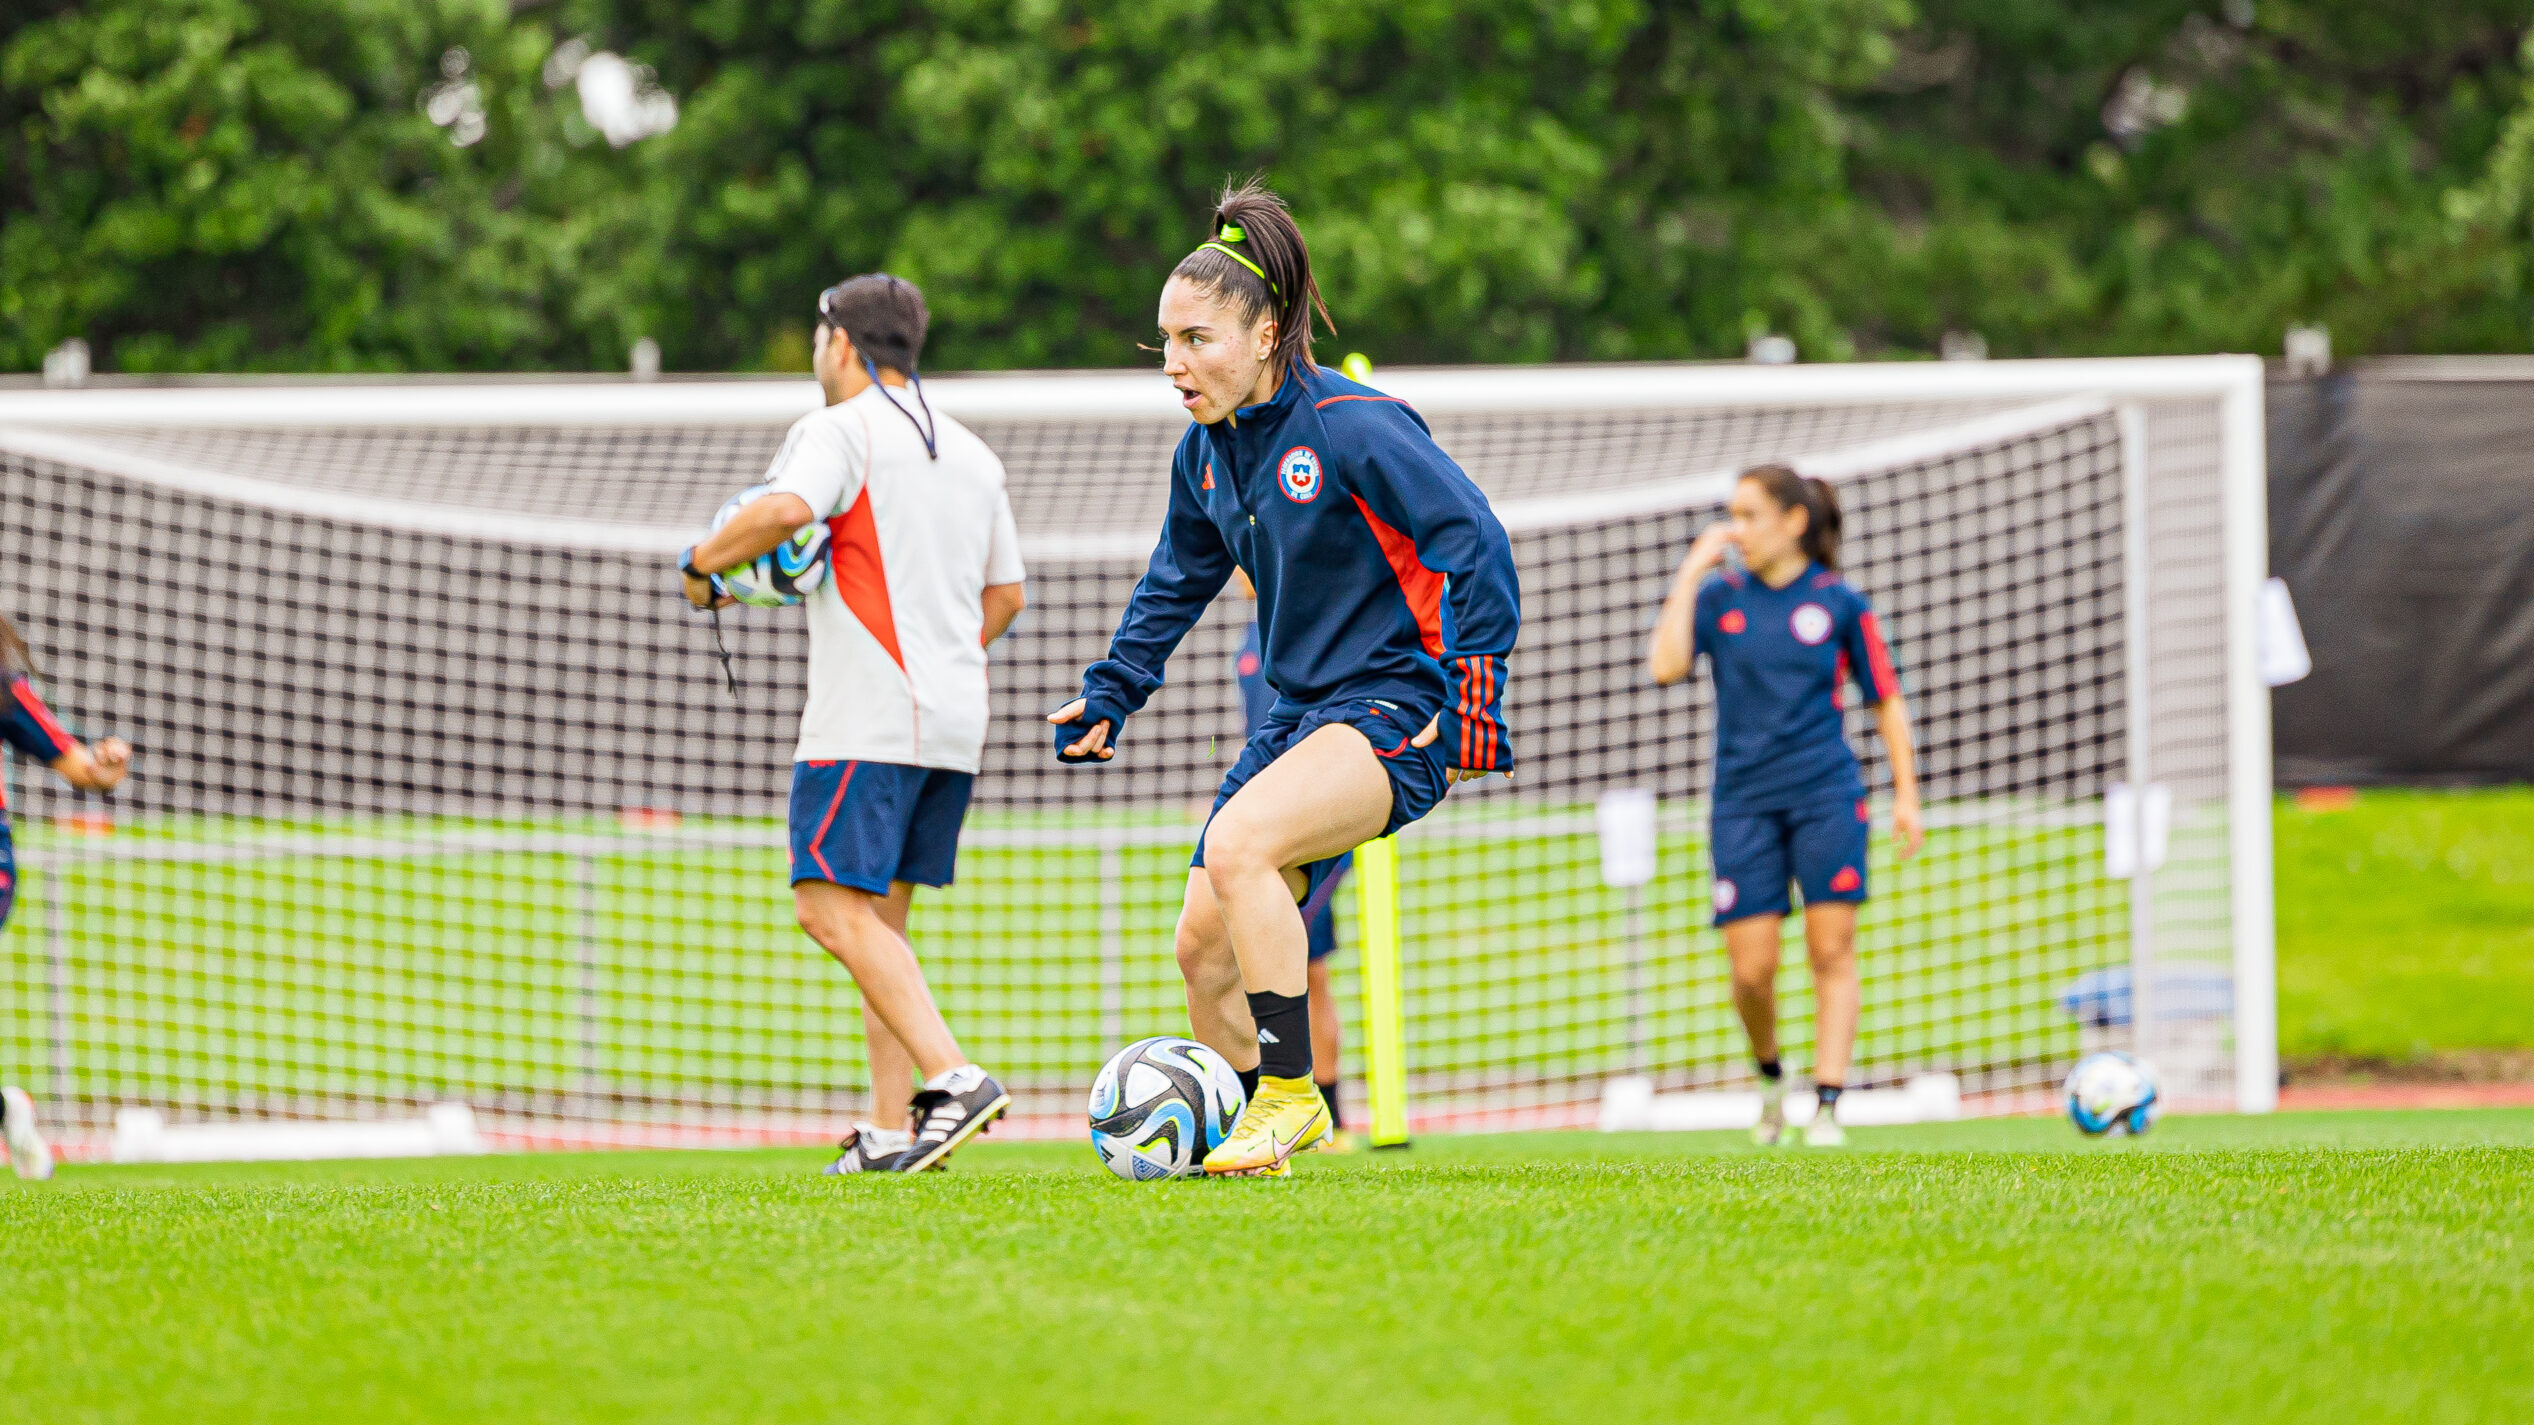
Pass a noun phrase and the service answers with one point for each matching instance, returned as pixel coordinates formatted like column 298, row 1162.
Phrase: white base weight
column 143, row 1135
column 1630, row 1105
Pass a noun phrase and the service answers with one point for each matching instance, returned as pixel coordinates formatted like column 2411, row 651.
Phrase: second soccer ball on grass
column 2112, row 1092
column 1160, row 1105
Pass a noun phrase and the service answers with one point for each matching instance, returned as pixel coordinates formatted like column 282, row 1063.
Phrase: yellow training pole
column 1377, row 889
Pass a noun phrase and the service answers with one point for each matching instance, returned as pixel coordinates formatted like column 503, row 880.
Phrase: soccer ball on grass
column 2112, row 1093
column 785, row 574
column 1160, row 1106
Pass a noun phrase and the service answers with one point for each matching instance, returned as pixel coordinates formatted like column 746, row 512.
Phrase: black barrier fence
column 2402, row 518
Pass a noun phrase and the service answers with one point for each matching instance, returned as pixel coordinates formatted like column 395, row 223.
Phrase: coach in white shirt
column 924, row 572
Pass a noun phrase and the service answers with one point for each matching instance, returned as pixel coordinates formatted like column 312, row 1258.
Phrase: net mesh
column 422, row 816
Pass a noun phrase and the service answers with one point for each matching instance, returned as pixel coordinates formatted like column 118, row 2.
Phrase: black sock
column 1249, row 1083
column 1284, row 1034
column 1828, row 1094
column 1328, row 1091
column 1772, row 1069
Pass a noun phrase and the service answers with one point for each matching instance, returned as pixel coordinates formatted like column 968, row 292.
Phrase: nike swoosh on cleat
column 1284, row 1146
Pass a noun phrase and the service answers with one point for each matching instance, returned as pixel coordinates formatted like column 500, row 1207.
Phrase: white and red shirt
column 897, row 672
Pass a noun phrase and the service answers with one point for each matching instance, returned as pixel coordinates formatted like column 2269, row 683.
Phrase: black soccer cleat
column 869, row 1150
column 948, row 1116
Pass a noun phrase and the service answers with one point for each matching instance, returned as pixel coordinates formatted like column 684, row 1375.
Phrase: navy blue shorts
column 8, row 870
column 1820, row 846
column 865, row 824
column 1419, row 776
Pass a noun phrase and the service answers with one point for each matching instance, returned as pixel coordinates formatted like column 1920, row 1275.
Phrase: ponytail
column 1254, row 257
column 1820, row 505
column 16, row 659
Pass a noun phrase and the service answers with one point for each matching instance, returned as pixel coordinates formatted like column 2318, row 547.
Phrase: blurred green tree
column 198, row 184
column 2182, row 175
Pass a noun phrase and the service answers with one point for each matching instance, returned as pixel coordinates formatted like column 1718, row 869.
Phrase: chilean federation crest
column 1811, row 623
column 1299, row 473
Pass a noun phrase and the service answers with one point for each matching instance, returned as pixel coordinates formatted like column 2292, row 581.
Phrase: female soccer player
column 1789, row 800
column 30, row 727
column 1387, row 603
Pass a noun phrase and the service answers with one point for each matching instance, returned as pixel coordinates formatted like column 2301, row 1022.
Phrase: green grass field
column 2302, row 1267
column 2406, row 925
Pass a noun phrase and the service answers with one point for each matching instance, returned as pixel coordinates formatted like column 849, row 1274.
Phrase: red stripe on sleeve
column 1493, row 728
column 1325, row 402
column 62, row 741
column 1878, row 658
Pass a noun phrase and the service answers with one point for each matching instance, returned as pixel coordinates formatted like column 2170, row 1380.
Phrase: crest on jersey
column 1733, row 621
column 1299, row 473
column 1811, row 623
column 1726, row 894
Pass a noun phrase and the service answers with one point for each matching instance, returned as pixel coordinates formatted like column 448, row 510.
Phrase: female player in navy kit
column 1387, row 600
column 30, row 727
column 1782, row 638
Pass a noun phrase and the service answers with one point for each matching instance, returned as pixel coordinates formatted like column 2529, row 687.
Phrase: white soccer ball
column 1160, row 1106
column 782, row 575
column 2111, row 1092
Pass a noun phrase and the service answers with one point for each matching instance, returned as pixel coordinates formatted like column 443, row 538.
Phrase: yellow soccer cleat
column 1283, row 1118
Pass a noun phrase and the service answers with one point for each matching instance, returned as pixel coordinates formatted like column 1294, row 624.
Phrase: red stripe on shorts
column 830, row 820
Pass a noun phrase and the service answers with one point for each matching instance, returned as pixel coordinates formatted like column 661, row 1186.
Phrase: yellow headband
column 1229, row 234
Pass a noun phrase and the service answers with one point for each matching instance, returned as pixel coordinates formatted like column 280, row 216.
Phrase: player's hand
column 699, row 592
column 1094, row 743
column 1909, row 825
column 112, row 757
column 1708, row 549
column 1434, row 729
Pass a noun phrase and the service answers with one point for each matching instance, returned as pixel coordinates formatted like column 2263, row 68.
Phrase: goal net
column 440, row 794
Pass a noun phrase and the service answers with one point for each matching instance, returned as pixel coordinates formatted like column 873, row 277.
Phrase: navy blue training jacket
column 1381, row 572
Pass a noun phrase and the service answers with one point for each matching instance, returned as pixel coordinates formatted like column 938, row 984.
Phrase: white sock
column 958, row 1080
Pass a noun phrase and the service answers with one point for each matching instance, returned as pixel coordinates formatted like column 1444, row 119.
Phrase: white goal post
column 407, row 828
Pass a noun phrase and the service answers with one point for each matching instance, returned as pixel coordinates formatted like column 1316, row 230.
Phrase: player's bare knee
column 1836, row 958
column 1204, row 950
column 1756, row 976
column 827, row 917
column 1234, row 852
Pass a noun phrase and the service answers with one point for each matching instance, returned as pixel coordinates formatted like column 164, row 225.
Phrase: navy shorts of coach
column 865, row 824
column 1319, row 904
column 1789, row 801
column 30, row 727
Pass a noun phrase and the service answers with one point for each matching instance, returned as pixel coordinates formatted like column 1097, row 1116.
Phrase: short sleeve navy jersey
column 1781, row 658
